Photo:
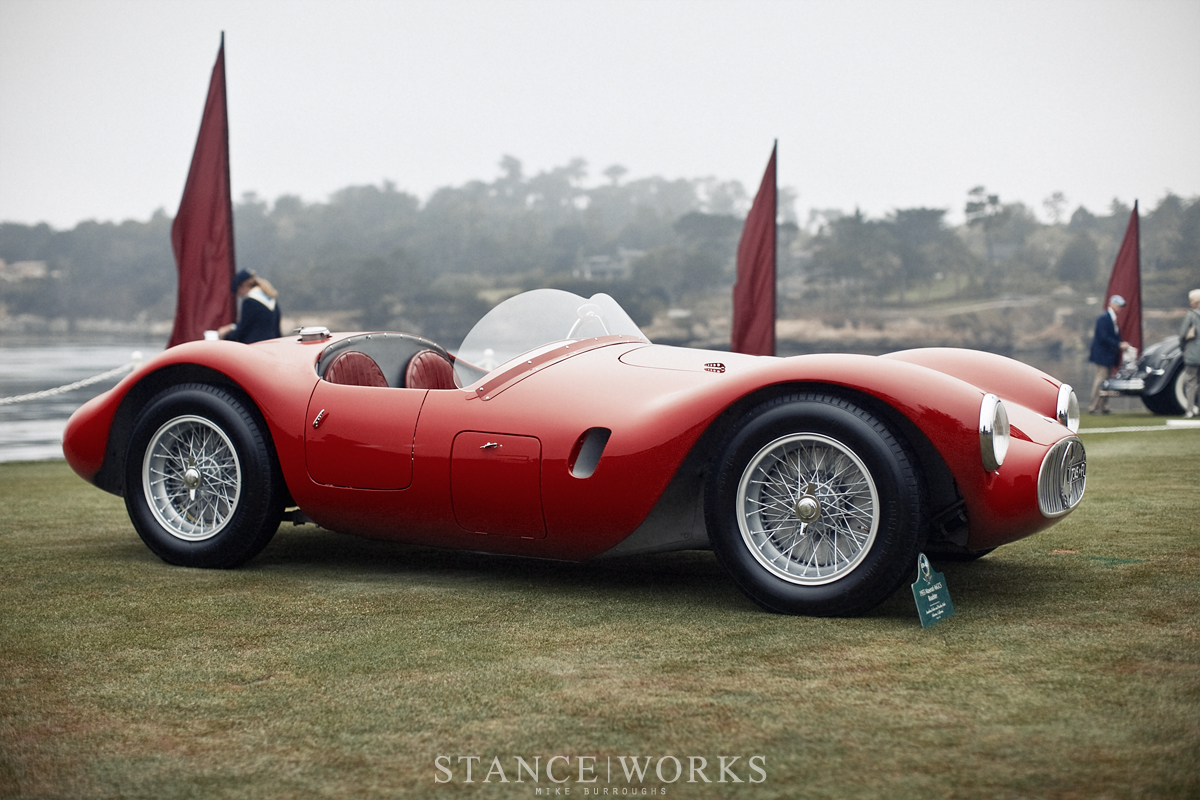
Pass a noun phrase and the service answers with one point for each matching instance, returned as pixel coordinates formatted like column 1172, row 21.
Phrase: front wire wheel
column 815, row 506
column 202, row 484
column 192, row 478
column 807, row 509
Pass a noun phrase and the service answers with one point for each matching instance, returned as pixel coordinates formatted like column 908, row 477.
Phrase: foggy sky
column 876, row 105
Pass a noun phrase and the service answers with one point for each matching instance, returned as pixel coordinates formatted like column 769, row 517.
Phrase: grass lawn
column 335, row 667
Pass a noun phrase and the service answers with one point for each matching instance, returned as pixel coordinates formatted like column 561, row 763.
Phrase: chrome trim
column 1134, row 385
column 993, row 432
column 1062, row 478
column 1067, row 408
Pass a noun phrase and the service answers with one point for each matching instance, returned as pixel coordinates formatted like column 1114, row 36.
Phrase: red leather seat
column 353, row 368
column 429, row 369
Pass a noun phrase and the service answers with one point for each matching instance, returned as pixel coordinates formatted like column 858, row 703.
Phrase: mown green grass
column 336, row 667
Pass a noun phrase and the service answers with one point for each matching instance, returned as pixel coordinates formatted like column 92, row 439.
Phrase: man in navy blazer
column 1106, row 352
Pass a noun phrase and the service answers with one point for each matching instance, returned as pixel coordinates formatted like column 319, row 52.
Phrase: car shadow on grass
column 687, row 577
column 993, row 585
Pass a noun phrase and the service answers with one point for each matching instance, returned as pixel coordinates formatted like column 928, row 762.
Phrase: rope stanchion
column 70, row 387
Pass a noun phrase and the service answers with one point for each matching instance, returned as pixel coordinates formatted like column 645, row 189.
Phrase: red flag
column 754, row 291
column 202, row 235
column 1126, row 281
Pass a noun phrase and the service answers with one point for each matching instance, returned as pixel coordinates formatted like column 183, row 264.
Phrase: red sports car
column 557, row 430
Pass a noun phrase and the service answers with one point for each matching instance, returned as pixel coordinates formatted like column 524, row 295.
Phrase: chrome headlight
column 1067, row 409
column 993, row 432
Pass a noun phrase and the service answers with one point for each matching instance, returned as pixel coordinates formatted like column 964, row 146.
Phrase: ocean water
column 32, row 430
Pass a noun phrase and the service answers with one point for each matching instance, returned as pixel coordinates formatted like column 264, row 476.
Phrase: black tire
column 201, row 484
column 1169, row 401
column 848, row 535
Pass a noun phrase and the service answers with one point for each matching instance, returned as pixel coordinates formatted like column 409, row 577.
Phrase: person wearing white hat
column 1106, row 352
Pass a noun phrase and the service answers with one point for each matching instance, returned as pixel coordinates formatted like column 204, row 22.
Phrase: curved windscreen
column 528, row 321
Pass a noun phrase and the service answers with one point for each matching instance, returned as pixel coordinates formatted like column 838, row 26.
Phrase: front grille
column 1062, row 478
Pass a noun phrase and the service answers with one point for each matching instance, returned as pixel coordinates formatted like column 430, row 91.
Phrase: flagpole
column 228, row 180
column 775, row 250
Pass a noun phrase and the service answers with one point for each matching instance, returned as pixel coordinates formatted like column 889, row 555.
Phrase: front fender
column 276, row 377
column 1004, row 377
column 1001, row 505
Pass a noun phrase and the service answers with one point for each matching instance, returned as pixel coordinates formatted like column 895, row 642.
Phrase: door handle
column 489, row 446
column 317, row 421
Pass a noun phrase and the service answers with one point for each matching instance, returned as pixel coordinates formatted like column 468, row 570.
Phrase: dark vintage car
column 1156, row 377
column 558, row 431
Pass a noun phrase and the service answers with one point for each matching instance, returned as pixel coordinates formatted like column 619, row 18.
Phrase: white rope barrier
column 70, row 387
column 1169, row 425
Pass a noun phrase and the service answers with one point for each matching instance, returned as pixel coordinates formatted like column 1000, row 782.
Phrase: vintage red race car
column 557, row 430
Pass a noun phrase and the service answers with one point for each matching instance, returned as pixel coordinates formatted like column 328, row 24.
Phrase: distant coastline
column 1018, row 326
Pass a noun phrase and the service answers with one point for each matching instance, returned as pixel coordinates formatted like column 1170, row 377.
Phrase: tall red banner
column 202, row 235
column 754, row 291
column 1126, row 281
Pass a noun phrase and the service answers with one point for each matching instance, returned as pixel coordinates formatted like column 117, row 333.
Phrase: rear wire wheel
column 201, row 485
column 815, row 507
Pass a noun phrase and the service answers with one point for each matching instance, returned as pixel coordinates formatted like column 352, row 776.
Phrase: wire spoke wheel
column 202, row 484
column 807, row 508
column 815, row 506
column 192, row 478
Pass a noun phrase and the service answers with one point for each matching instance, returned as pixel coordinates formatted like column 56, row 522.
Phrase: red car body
column 509, row 464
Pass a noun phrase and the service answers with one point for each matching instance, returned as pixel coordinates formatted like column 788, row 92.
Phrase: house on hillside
column 22, row 270
column 609, row 268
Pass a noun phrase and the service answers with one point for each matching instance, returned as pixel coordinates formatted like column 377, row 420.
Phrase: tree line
column 387, row 260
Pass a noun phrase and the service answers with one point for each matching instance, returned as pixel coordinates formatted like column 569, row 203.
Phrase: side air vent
column 585, row 455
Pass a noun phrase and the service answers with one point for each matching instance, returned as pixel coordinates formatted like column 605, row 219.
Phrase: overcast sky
column 877, row 105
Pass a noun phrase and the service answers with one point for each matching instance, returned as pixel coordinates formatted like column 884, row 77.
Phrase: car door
column 495, row 484
column 362, row 436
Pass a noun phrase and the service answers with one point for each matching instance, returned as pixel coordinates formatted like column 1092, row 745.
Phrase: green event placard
column 931, row 593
